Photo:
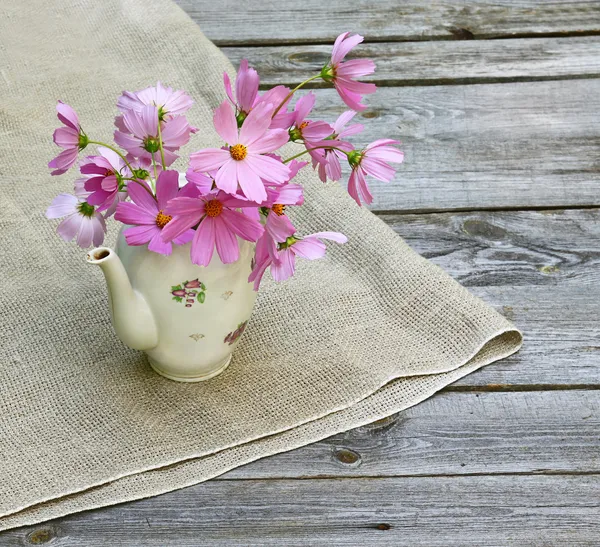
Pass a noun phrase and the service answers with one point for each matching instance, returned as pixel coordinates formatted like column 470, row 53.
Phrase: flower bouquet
column 233, row 199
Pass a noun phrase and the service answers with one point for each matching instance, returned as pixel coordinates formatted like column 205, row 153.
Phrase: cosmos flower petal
column 157, row 245
column 256, row 124
column 67, row 115
column 86, row 233
column 227, row 177
column 209, row 159
column 61, row 206
column 203, row 244
column 269, row 142
column 226, row 241
column 250, row 181
column 167, row 187
column 69, row 227
column 225, row 124
column 140, row 193
column 246, row 86
column 284, row 268
column 344, row 47
column 310, row 248
column 131, row 213
column 140, row 235
column 242, row 225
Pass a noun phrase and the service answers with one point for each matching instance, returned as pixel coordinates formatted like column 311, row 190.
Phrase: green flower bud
column 354, row 158
column 327, row 73
column 151, row 145
column 86, row 209
column 83, row 141
column 240, row 117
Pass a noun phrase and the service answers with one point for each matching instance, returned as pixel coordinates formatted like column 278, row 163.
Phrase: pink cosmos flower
column 218, row 225
column 203, row 182
column 142, row 167
column 246, row 88
column 343, row 75
column 142, row 141
column 71, row 138
column 147, row 215
column 243, row 162
column 81, row 220
column 282, row 259
column 105, row 178
column 328, row 160
column 373, row 160
column 247, row 97
column 169, row 102
column 278, row 226
column 304, row 129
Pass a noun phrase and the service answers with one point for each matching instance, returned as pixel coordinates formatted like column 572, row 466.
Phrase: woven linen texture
column 84, row 422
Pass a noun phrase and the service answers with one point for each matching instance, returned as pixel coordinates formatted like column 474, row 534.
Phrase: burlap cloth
column 84, row 422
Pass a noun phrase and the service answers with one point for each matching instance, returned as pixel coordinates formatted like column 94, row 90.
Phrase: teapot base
column 220, row 368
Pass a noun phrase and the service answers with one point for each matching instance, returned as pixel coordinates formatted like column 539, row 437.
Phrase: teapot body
column 200, row 312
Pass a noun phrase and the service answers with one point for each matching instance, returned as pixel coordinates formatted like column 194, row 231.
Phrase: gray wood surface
column 519, row 510
column 248, row 22
column 434, row 63
column 511, row 145
column 501, row 188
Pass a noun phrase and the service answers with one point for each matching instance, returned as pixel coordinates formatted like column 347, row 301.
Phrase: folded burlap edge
column 196, row 469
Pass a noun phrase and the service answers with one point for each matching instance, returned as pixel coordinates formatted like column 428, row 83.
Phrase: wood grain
column 489, row 146
column 422, row 511
column 270, row 22
column 538, row 268
column 434, row 63
column 456, row 434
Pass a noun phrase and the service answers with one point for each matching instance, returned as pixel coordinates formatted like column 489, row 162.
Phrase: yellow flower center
column 278, row 209
column 162, row 220
column 214, row 207
column 303, row 125
column 238, row 152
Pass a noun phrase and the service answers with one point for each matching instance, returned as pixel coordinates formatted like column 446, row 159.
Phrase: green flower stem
column 154, row 165
column 288, row 96
column 311, row 149
column 126, row 163
column 160, row 145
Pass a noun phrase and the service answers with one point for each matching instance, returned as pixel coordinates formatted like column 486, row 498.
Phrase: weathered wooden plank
column 270, row 21
column 456, row 434
column 428, row 63
column 424, row 511
column 538, row 268
column 513, row 145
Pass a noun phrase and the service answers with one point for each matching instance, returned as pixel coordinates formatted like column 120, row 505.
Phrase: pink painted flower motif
column 105, row 178
column 344, row 74
column 168, row 101
column 70, row 137
column 218, row 223
column 282, row 258
column 373, row 160
column 328, row 160
column 243, row 162
column 307, row 130
column 232, row 337
column 81, row 220
column 147, row 214
column 141, row 139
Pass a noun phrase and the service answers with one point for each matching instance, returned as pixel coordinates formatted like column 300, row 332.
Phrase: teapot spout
column 130, row 314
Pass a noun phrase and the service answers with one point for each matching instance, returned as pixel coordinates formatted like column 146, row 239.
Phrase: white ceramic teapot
column 187, row 318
